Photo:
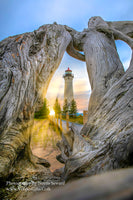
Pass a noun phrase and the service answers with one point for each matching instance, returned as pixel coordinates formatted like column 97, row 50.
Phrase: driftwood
column 115, row 185
column 27, row 64
column 107, row 144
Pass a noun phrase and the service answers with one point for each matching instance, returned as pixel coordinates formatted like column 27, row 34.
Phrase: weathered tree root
column 27, row 64
column 109, row 129
column 108, row 134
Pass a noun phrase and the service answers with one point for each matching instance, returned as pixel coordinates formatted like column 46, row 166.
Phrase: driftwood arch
column 27, row 64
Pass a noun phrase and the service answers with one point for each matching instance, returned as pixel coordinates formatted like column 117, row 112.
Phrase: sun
column 52, row 113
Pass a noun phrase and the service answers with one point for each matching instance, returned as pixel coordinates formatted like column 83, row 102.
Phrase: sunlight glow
column 52, row 113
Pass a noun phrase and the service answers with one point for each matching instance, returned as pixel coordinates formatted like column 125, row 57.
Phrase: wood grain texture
column 27, row 64
column 109, row 129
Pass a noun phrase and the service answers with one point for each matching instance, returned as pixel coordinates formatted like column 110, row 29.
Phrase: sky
column 19, row 16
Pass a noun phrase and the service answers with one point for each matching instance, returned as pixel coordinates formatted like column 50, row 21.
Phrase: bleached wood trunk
column 108, row 134
column 27, row 64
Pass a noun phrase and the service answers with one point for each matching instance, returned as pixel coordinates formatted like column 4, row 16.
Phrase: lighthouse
column 68, row 90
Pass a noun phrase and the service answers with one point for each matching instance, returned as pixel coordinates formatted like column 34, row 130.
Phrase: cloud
column 126, row 64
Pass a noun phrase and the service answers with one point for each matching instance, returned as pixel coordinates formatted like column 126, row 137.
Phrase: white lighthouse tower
column 68, row 91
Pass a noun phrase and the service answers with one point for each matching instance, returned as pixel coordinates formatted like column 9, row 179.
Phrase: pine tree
column 65, row 107
column 73, row 108
column 43, row 112
column 57, row 107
